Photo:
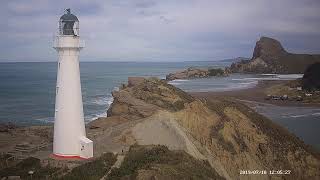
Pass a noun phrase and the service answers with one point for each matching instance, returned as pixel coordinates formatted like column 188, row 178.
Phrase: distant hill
column 269, row 56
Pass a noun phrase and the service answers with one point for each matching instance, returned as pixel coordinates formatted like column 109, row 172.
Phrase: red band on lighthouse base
column 68, row 157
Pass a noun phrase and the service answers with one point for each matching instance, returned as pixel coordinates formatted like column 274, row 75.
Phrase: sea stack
column 69, row 139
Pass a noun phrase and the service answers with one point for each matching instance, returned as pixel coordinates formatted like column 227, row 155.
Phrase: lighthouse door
column 86, row 147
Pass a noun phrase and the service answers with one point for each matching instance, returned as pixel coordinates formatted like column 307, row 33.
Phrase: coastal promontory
column 269, row 56
column 155, row 130
column 227, row 134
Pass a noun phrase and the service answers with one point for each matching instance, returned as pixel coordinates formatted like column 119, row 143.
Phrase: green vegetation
column 216, row 72
column 30, row 164
column 290, row 89
column 311, row 78
column 93, row 170
column 158, row 161
column 4, row 160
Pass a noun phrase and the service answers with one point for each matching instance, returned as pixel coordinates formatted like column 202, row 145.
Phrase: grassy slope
column 93, row 170
column 158, row 161
column 30, row 164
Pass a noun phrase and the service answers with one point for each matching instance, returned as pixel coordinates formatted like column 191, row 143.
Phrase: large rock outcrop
column 270, row 57
column 191, row 73
column 188, row 73
column 143, row 98
column 229, row 135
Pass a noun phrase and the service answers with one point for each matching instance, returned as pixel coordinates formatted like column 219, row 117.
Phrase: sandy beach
column 255, row 94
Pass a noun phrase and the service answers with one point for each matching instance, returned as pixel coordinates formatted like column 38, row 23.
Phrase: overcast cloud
column 163, row 30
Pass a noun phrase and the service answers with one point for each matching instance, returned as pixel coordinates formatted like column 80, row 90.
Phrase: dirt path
column 117, row 164
column 162, row 129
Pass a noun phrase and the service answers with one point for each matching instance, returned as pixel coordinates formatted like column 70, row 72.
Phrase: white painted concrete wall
column 69, row 127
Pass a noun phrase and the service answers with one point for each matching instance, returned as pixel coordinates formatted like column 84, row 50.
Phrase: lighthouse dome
column 69, row 24
column 68, row 16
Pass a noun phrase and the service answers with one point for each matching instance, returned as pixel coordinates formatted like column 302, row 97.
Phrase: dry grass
column 159, row 161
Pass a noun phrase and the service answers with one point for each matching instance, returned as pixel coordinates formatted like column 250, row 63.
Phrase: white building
column 69, row 139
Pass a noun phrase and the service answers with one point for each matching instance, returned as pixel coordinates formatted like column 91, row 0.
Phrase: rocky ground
column 203, row 138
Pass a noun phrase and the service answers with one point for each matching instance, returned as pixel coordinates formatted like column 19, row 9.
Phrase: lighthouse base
column 66, row 157
column 85, row 151
column 86, row 147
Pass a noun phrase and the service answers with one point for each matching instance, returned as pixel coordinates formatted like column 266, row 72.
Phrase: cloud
column 159, row 30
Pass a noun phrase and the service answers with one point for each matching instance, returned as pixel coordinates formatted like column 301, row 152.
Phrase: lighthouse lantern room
column 69, row 139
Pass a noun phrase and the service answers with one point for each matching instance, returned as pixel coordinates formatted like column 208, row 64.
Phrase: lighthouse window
column 59, row 65
column 57, row 90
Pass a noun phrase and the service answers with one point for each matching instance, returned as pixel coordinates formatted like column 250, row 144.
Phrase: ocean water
column 27, row 91
column 232, row 82
column 304, row 122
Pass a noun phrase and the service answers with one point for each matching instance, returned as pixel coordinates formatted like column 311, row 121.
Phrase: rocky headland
column 229, row 135
column 269, row 56
column 157, row 131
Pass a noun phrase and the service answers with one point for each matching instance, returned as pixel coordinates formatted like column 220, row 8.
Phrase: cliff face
column 270, row 57
column 231, row 136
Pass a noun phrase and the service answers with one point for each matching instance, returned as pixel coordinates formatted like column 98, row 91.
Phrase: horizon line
column 223, row 59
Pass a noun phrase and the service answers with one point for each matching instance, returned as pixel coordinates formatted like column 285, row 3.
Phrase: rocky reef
column 269, row 56
column 226, row 133
column 196, row 73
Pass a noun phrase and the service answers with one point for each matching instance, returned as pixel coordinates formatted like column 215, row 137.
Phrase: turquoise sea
column 27, row 91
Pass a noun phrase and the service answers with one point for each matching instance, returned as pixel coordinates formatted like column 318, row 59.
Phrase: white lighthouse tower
column 69, row 139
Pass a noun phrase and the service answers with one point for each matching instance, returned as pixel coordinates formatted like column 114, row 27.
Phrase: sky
column 162, row 30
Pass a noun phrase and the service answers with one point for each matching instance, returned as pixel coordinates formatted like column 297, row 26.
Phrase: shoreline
column 254, row 94
column 168, row 123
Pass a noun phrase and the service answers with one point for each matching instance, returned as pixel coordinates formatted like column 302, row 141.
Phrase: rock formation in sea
column 269, row 56
column 196, row 73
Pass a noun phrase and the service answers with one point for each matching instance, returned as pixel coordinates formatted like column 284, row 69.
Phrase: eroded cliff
column 231, row 136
